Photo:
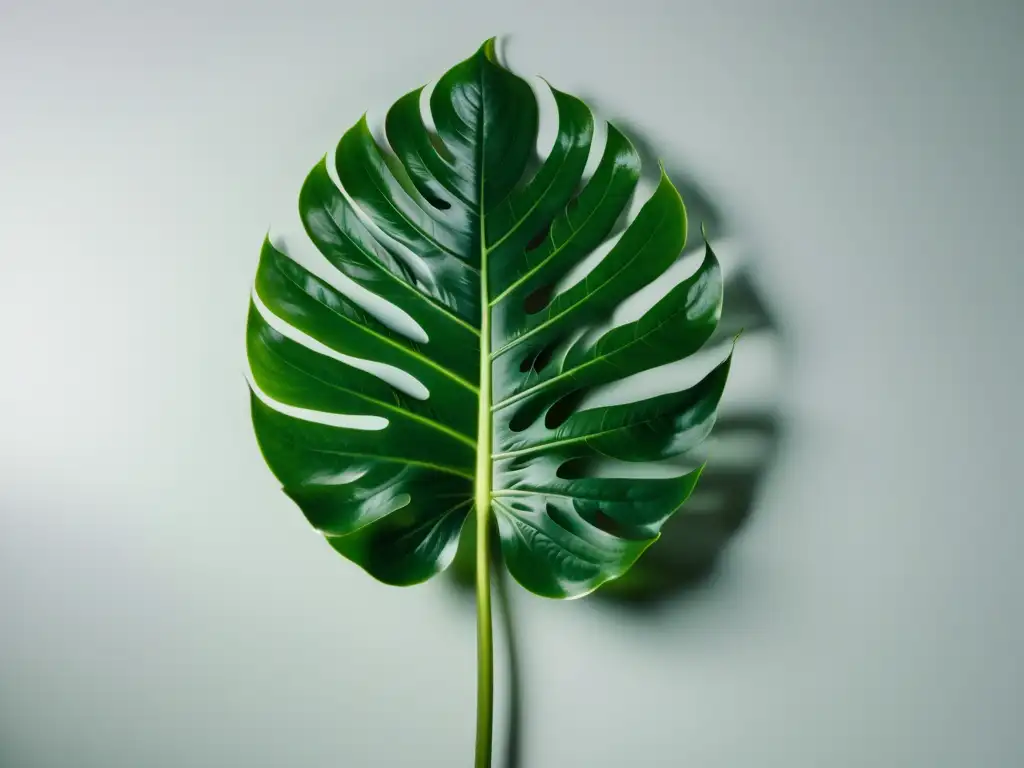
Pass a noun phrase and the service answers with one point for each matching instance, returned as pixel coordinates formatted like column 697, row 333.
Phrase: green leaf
column 450, row 224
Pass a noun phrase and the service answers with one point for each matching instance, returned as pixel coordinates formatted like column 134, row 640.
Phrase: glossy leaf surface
column 453, row 225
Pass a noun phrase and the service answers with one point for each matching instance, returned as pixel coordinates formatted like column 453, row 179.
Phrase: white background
column 163, row 604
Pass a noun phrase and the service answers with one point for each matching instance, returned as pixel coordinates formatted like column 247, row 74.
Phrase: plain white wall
column 163, row 604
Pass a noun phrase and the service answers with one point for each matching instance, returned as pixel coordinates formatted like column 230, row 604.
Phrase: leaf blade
column 455, row 230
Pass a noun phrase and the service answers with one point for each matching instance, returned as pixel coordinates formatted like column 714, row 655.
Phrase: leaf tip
column 489, row 49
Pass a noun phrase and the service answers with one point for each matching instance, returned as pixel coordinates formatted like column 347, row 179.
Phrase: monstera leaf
column 387, row 438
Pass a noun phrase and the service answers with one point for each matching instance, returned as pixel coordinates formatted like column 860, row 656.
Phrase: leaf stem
column 485, row 646
column 482, row 496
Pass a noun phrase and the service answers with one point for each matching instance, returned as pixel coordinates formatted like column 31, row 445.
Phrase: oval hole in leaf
column 604, row 522
column 518, row 506
column 544, row 357
column 573, row 469
column 518, row 464
column 539, row 238
column 539, row 299
column 563, row 409
column 522, row 419
column 437, row 202
column 558, row 517
column 608, row 524
column 527, row 364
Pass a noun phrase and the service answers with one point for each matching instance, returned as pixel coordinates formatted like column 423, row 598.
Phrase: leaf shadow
column 699, row 208
column 692, row 542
